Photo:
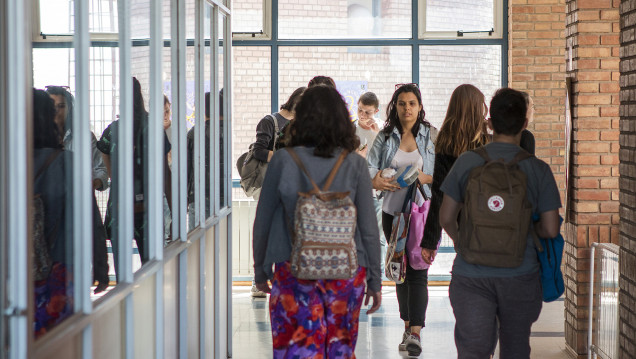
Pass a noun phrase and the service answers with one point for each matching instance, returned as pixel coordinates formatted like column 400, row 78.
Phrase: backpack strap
column 481, row 151
column 273, row 117
column 334, row 170
column 520, row 156
column 331, row 176
column 46, row 164
column 300, row 164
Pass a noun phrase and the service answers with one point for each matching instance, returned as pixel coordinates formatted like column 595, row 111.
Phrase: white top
column 393, row 201
column 366, row 136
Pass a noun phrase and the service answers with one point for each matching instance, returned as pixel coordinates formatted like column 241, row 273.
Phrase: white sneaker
column 405, row 336
column 257, row 293
column 413, row 346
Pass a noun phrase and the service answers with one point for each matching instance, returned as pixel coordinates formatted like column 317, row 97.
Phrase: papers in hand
column 404, row 176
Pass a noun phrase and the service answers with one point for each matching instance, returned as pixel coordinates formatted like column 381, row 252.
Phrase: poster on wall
column 568, row 146
column 351, row 92
column 190, row 100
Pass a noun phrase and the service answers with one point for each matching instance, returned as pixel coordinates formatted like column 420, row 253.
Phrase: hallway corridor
column 380, row 333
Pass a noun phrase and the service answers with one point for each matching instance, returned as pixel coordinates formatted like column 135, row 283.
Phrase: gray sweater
column 277, row 203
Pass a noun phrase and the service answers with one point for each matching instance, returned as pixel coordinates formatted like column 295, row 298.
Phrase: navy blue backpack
column 550, row 261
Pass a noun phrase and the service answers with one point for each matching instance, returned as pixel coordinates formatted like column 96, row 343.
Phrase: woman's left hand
column 424, row 178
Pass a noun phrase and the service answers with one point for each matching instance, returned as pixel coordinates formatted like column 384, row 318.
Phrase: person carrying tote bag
column 406, row 139
column 419, row 207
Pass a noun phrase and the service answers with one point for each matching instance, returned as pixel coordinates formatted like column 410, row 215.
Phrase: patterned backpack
column 323, row 237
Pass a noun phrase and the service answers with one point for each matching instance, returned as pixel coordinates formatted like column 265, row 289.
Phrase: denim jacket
column 385, row 147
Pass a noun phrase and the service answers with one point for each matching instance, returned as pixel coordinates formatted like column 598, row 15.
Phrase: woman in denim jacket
column 407, row 139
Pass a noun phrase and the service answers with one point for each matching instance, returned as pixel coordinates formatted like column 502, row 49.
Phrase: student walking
column 315, row 318
column 495, row 295
column 464, row 128
column 407, row 139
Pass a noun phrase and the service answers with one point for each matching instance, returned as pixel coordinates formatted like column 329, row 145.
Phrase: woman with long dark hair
column 315, row 318
column 53, row 247
column 407, row 139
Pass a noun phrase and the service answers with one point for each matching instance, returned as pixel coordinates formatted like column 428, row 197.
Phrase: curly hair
column 46, row 133
column 392, row 120
column 323, row 121
column 464, row 127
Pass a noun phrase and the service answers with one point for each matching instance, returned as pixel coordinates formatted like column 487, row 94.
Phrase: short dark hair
column 45, row 131
column 369, row 99
column 207, row 103
column 322, row 80
column 508, row 110
column 323, row 121
column 293, row 99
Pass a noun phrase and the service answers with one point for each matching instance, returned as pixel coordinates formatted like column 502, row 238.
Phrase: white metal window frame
column 443, row 35
column 266, row 33
column 36, row 35
column 422, row 33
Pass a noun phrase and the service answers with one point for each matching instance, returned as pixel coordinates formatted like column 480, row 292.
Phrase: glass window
column 305, row 19
column 169, row 122
column 454, row 15
column 53, row 189
column 223, row 110
column 354, row 69
column 252, row 99
column 479, row 65
column 247, row 16
column 56, row 16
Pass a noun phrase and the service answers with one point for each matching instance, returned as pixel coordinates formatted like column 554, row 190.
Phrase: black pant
column 413, row 293
column 487, row 308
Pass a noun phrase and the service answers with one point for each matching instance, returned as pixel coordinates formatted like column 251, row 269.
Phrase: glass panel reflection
column 476, row 65
column 454, row 15
column 305, row 19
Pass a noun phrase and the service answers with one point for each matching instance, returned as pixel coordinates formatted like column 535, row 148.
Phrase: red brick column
column 592, row 38
column 627, row 257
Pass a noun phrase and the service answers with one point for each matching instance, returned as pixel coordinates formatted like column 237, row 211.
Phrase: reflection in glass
column 247, row 16
column 52, row 218
column 355, row 69
column 56, row 16
column 454, row 15
column 476, row 65
column 344, row 19
column 223, row 173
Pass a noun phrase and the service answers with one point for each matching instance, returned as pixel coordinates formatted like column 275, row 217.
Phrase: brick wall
column 592, row 64
column 627, row 257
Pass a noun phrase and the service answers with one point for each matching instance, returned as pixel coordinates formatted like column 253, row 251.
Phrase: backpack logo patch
column 495, row 203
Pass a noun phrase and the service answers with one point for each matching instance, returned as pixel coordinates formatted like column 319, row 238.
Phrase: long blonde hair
column 464, row 126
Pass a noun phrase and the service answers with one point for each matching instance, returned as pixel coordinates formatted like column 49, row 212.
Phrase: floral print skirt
column 315, row 318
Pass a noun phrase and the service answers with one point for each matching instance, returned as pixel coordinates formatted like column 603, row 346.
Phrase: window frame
column 266, row 31
column 499, row 38
column 37, row 36
column 497, row 33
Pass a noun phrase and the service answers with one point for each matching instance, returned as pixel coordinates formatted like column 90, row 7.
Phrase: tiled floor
column 381, row 332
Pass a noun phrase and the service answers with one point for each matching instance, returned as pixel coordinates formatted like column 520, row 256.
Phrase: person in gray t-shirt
column 488, row 301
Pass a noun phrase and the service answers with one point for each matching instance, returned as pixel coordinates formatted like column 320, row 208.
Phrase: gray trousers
column 485, row 308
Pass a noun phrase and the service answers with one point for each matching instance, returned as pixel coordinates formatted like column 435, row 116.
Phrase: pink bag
column 416, row 232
